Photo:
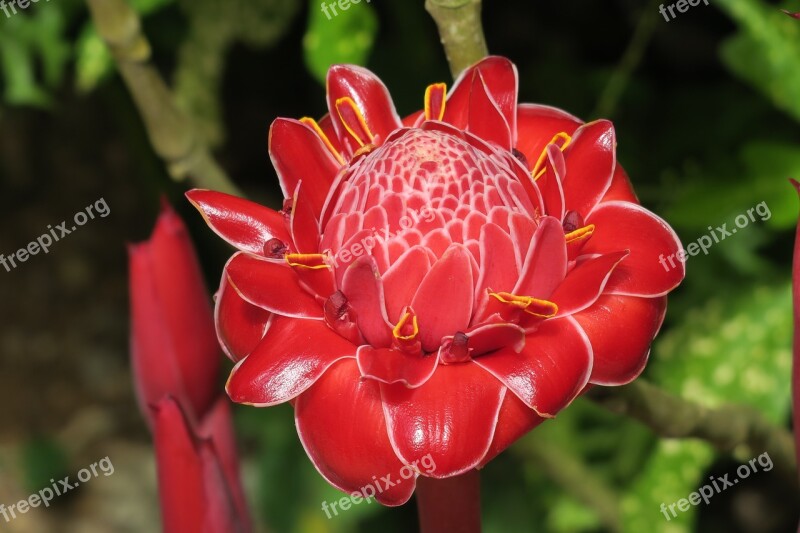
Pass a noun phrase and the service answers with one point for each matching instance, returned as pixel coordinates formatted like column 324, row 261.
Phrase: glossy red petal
column 303, row 223
column 620, row 188
column 651, row 241
column 500, row 75
column 590, row 160
column 240, row 325
column 545, row 265
column 621, row 329
column 244, row 224
column 369, row 95
column 299, row 154
column 364, row 291
column 443, row 302
column 388, row 365
column 550, row 183
column 485, row 118
column 290, row 358
column 341, row 425
column 550, row 371
column 584, row 283
column 451, row 419
column 272, row 286
column 536, row 126
column 402, row 280
column 515, row 420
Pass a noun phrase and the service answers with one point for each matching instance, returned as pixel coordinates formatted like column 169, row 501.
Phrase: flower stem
column 726, row 427
column 449, row 505
column 170, row 131
column 461, row 31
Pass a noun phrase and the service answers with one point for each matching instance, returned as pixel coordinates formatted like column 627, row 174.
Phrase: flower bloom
column 176, row 363
column 438, row 284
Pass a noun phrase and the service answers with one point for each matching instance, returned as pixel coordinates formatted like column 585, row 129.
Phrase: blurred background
column 706, row 108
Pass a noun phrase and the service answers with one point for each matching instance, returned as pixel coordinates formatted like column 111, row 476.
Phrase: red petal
column 303, row 223
column 545, row 265
column 389, row 366
column 292, row 356
column 549, row 183
column 240, row 325
column 584, row 283
column 450, row 419
column 191, row 485
column 620, row 188
column 174, row 347
column 485, row 118
column 646, row 272
column 363, row 288
column 590, row 160
column 515, row 420
column 244, row 224
column 299, row 154
column 218, row 426
column 498, row 271
column 271, row 285
column 369, row 95
column 341, row 425
column 402, row 280
column 550, row 371
column 443, row 302
column 500, row 76
column 621, row 329
column 536, row 126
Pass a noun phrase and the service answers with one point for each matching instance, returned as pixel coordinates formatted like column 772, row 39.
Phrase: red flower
column 176, row 363
column 436, row 285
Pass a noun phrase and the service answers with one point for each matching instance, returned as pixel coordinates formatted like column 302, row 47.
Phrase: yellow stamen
column 580, row 233
column 353, row 119
column 565, row 141
column 308, row 121
column 309, row 261
column 532, row 306
column 397, row 331
column 435, row 101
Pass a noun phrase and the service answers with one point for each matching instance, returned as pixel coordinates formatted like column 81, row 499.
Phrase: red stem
column 450, row 505
column 796, row 340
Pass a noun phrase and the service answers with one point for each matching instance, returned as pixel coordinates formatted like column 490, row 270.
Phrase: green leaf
column 765, row 52
column 736, row 349
column 344, row 37
column 761, row 176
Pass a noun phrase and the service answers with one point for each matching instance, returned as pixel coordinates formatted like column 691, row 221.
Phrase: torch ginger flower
column 438, row 284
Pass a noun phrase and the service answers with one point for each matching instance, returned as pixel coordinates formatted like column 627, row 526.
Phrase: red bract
column 436, row 285
column 176, row 364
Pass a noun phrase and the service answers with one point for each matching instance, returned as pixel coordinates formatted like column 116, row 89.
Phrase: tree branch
column 726, row 428
column 461, row 31
column 170, row 132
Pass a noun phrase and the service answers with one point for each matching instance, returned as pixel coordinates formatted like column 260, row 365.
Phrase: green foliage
column 43, row 459
column 27, row 38
column 346, row 37
column 765, row 52
column 735, row 349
